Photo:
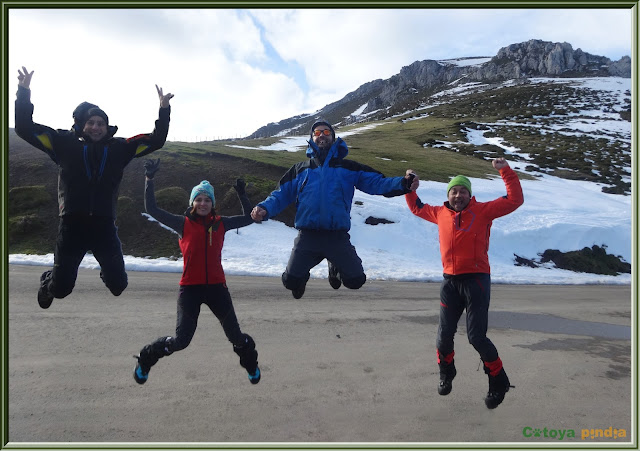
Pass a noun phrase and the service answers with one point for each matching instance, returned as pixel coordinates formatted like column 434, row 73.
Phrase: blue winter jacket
column 323, row 191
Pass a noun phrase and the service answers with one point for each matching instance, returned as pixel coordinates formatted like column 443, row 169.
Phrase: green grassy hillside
column 432, row 142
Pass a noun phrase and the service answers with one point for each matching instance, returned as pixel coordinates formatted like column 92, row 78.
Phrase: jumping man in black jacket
column 91, row 162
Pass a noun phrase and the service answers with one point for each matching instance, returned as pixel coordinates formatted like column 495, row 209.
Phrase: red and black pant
column 470, row 292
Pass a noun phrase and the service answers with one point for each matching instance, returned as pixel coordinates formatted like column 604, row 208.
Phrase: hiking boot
column 334, row 278
column 498, row 386
column 494, row 399
column 45, row 298
column 447, row 373
column 298, row 292
column 141, row 372
column 255, row 377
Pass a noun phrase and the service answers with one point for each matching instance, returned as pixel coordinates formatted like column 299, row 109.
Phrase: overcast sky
column 235, row 70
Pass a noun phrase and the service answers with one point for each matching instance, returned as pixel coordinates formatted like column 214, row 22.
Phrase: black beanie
column 313, row 127
column 80, row 113
column 97, row 112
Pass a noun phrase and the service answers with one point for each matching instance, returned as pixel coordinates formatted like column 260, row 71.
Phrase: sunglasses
column 325, row 132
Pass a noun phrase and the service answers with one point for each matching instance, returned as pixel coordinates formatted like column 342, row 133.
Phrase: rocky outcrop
column 419, row 76
column 621, row 68
column 536, row 58
column 533, row 58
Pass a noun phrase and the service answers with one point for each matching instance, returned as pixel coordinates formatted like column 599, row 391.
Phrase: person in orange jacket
column 464, row 226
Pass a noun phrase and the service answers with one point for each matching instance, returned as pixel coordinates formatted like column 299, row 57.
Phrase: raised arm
column 39, row 136
column 514, row 198
column 174, row 222
column 235, row 222
column 24, row 78
column 240, row 188
column 146, row 143
column 164, row 98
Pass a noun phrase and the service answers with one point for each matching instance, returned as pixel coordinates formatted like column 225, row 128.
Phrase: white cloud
column 219, row 62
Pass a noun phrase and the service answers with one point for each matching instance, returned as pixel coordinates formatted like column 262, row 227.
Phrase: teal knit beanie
column 203, row 188
column 459, row 180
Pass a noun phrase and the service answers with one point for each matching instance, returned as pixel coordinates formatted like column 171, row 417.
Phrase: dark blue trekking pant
column 76, row 236
column 190, row 300
column 312, row 246
column 471, row 292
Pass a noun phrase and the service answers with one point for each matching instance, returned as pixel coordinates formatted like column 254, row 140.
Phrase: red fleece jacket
column 464, row 236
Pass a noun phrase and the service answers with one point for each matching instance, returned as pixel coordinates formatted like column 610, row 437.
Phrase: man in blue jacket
column 323, row 188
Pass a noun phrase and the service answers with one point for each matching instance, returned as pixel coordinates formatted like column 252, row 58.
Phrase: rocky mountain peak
column 403, row 91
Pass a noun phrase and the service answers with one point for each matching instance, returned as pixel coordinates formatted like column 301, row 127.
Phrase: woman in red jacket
column 201, row 234
column 464, row 226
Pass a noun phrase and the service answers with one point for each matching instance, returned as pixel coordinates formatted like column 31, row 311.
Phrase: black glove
column 151, row 167
column 239, row 186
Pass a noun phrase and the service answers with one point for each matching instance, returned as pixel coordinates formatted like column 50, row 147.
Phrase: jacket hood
column 338, row 149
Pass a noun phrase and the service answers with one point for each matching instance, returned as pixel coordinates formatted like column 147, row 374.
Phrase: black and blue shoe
column 255, row 377
column 141, row 372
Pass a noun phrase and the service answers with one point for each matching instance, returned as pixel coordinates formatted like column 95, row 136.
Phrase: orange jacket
column 464, row 236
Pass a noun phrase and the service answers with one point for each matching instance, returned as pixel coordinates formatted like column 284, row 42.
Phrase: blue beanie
column 203, row 188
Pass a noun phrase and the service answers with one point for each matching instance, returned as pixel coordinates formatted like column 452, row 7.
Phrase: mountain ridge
column 411, row 87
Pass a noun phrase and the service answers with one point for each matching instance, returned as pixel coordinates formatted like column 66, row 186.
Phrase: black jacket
column 89, row 173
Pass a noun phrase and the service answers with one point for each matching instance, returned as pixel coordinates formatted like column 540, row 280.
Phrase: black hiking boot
column 298, row 292
column 334, row 277
column 447, row 373
column 498, row 386
column 45, row 298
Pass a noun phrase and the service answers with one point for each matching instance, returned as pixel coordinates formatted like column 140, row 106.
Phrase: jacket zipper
column 87, row 166
column 206, row 254
column 103, row 163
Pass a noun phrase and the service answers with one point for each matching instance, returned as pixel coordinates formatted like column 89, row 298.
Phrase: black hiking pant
column 76, row 236
column 190, row 300
column 471, row 292
column 312, row 246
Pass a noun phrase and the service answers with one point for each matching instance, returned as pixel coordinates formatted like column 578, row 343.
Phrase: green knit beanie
column 459, row 180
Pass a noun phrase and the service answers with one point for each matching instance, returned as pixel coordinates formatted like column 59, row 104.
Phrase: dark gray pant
column 191, row 298
column 77, row 236
column 471, row 292
column 312, row 246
